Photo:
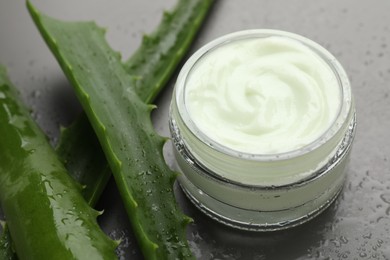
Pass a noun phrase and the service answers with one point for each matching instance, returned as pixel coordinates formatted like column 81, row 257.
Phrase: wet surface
column 356, row 226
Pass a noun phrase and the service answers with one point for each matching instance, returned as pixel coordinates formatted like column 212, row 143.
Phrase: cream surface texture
column 265, row 95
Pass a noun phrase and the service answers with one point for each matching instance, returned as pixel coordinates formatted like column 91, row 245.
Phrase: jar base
column 251, row 220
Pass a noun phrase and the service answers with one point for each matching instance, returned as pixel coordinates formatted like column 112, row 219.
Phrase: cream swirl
column 262, row 95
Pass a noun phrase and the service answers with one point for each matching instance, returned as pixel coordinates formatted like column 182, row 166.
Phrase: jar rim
column 325, row 55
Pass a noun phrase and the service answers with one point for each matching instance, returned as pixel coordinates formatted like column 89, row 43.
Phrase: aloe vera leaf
column 154, row 62
column 163, row 49
column 46, row 214
column 84, row 159
column 122, row 123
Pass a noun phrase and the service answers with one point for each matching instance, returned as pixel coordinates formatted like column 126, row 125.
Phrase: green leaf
column 154, row 62
column 122, row 123
column 80, row 152
column 46, row 214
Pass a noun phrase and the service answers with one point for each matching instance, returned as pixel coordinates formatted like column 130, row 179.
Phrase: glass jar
column 261, row 192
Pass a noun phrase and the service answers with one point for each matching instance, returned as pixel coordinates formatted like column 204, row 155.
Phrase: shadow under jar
column 262, row 123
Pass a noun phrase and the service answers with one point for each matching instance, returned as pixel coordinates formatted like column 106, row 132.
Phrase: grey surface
column 357, row 226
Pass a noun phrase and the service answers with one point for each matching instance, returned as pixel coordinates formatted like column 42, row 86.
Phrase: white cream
column 262, row 124
column 265, row 95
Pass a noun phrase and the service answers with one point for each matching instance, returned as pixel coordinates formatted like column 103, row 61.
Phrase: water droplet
column 385, row 197
column 367, row 235
column 64, row 220
column 36, row 116
column 362, row 254
column 335, row 242
column 343, row 239
column 36, row 93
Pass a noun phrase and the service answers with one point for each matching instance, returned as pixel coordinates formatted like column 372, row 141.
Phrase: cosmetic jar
column 262, row 124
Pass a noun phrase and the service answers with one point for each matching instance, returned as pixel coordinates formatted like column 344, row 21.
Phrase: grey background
column 356, row 226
